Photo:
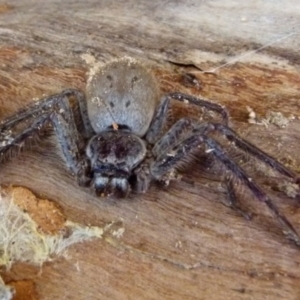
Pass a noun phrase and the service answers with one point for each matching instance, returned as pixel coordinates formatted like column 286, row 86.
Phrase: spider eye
column 110, row 79
column 133, row 81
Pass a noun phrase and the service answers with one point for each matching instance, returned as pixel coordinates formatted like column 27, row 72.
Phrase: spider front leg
column 55, row 110
column 68, row 139
column 45, row 105
column 169, row 159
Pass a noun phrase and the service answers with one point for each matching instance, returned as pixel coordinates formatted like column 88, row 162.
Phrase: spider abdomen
column 123, row 92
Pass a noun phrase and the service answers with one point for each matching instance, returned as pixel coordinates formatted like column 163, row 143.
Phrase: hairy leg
column 53, row 110
column 179, row 131
column 253, row 150
column 186, row 127
column 258, row 193
column 232, row 200
column 9, row 144
column 160, row 117
column 45, row 105
column 168, row 161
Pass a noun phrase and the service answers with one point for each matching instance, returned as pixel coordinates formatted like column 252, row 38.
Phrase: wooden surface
column 179, row 242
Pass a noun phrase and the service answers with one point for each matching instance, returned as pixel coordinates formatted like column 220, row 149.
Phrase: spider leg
column 9, row 143
column 60, row 115
column 67, row 136
column 175, row 134
column 187, row 127
column 220, row 154
column 168, row 141
column 45, row 105
column 232, row 201
column 160, row 117
column 169, row 160
column 202, row 103
column 253, row 150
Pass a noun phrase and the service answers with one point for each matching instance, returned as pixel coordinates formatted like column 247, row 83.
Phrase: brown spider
column 123, row 147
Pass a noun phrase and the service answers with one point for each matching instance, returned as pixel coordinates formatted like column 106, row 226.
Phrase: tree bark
column 180, row 242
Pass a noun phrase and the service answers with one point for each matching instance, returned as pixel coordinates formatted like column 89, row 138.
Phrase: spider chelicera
column 123, row 147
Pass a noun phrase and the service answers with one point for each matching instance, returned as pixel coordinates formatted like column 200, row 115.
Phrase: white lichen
column 278, row 119
column 272, row 117
column 289, row 188
column 21, row 240
column 6, row 292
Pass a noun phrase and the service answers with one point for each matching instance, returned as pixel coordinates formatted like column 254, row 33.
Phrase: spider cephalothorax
column 123, row 147
column 113, row 155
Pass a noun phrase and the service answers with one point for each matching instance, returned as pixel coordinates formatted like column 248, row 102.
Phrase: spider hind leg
column 161, row 114
column 170, row 158
column 232, row 200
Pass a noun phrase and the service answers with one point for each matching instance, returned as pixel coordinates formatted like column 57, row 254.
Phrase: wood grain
column 180, row 242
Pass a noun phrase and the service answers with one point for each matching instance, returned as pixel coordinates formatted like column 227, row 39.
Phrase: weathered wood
column 180, row 242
